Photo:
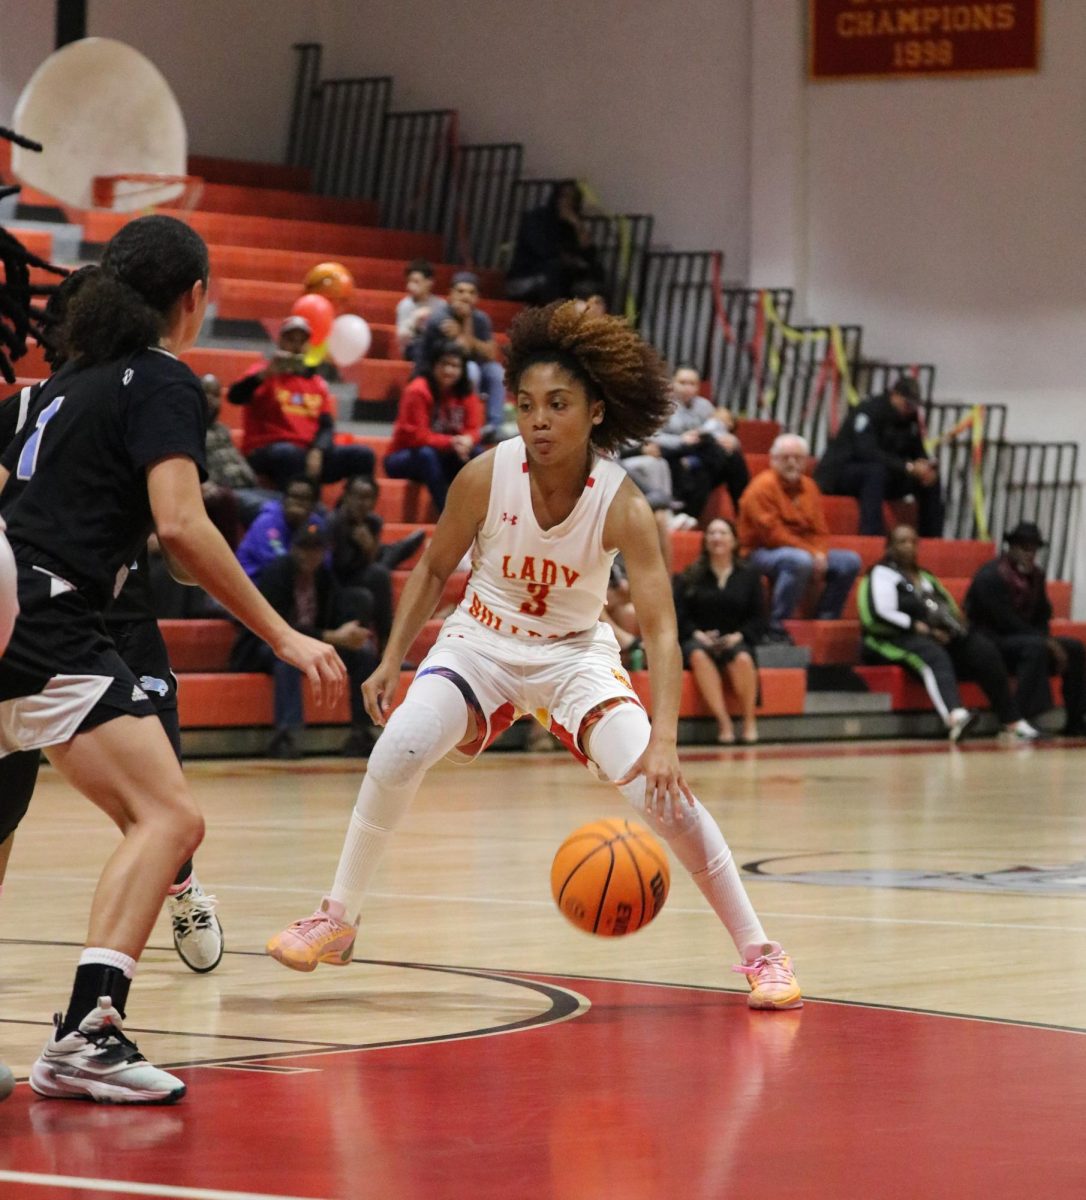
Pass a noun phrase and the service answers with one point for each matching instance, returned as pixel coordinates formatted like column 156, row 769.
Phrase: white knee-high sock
column 694, row 837
column 427, row 725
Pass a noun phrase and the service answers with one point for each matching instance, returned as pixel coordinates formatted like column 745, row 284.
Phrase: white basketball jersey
column 535, row 583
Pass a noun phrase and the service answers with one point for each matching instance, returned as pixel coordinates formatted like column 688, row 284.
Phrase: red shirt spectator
column 424, row 421
column 289, row 420
column 438, row 425
column 284, row 408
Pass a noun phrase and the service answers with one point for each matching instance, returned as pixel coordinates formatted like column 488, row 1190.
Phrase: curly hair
column 606, row 356
column 147, row 266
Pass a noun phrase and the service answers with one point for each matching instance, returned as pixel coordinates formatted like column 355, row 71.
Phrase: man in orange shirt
column 783, row 532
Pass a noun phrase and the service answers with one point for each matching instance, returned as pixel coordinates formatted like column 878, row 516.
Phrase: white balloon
column 9, row 602
column 349, row 340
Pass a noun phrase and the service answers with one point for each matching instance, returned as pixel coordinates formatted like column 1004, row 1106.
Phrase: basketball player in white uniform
column 544, row 516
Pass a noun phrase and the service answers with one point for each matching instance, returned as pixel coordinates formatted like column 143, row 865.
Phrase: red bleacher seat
column 907, row 693
column 248, row 200
column 324, row 239
column 784, row 690
column 250, row 174
column 198, row 645
column 257, row 300
column 291, row 266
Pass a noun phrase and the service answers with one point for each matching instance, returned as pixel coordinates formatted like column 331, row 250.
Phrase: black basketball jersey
column 134, row 601
column 76, row 502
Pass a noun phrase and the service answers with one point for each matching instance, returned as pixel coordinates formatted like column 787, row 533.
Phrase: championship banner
column 865, row 39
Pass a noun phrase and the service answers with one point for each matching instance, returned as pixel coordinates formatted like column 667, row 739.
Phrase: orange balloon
column 332, row 280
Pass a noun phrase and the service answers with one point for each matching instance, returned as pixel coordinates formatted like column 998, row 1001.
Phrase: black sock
column 184, row 873
column 91, row 981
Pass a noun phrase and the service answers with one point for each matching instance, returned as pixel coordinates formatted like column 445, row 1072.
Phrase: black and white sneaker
column 7, row 1081
column 959, row 721
column 197, row 933
column 97, row 1062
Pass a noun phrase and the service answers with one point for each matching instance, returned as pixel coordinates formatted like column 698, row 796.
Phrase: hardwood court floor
column 906, row 879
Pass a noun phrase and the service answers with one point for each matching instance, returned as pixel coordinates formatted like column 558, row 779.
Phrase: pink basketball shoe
column 325, row 937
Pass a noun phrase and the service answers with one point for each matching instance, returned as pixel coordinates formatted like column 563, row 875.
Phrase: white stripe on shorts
column 51, row 716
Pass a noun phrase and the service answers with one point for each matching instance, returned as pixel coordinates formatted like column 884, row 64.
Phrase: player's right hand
column 378, row 690
column 318, row 661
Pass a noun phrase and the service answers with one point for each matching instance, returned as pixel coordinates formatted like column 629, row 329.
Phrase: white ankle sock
column 108, row 958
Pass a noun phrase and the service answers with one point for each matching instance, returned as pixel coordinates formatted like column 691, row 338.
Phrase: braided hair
column 603, row 354
column 18, row 319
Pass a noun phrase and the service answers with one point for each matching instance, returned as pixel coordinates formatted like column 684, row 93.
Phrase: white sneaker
column 98, row 1062
column 682, row 521
column 197, row 934
column 1021, row 731
column 958, row 721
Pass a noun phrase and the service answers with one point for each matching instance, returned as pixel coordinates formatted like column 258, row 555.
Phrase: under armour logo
column 510, row 517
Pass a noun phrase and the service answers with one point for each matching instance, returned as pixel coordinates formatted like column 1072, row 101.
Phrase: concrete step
column 826, row 703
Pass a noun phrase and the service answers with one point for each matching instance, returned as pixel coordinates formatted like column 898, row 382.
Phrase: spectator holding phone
column 289, row 422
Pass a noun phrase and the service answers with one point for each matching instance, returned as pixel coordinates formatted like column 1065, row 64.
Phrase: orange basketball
column 610, row 878
column 331, row 280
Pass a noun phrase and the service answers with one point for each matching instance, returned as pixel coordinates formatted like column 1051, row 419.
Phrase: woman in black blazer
column 720, row 604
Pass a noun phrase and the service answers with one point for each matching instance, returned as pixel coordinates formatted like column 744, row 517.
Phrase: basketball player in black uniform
column 114, row 448
column 130, row 622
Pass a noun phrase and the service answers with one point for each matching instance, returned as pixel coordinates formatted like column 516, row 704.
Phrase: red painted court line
column 655, row 1092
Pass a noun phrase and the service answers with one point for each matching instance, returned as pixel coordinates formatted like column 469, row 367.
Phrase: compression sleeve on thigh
column 431, row 721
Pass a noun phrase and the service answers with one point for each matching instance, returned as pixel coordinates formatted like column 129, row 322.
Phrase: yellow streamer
column 979, row 505
column 797, row 337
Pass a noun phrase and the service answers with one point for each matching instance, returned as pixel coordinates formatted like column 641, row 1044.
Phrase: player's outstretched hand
column 378, row 690
column 666, row 791
column 318, row 661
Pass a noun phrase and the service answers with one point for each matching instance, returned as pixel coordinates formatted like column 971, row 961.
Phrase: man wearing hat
column 459, row 319
column 1008, row 601
column 878, row 454
column 289, row 422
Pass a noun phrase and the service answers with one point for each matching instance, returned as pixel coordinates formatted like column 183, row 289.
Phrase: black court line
column 522, row 977
column 563, row 1005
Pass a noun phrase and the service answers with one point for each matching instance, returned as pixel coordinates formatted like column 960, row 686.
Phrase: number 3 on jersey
column 28, row 458
column 537, row 606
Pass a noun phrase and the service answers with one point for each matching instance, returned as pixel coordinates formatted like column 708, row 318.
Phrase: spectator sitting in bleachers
column 414, row 310
column 720, row 605
column 653, row 476
column 1008, row 600
column 459, row 320
column 226, row 467
column 437, row 426
column 270, row 534
column 701, row 450
column 878, row 454
column 553, row 255
column 358, row 558
column 289, row 420
column 301, row 588
column 783, row 533
column 910, row 619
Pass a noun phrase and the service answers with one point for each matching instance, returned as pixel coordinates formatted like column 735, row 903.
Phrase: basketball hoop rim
column 104, row 188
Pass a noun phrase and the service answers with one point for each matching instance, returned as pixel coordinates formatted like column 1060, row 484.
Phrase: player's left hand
column 666, row 791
